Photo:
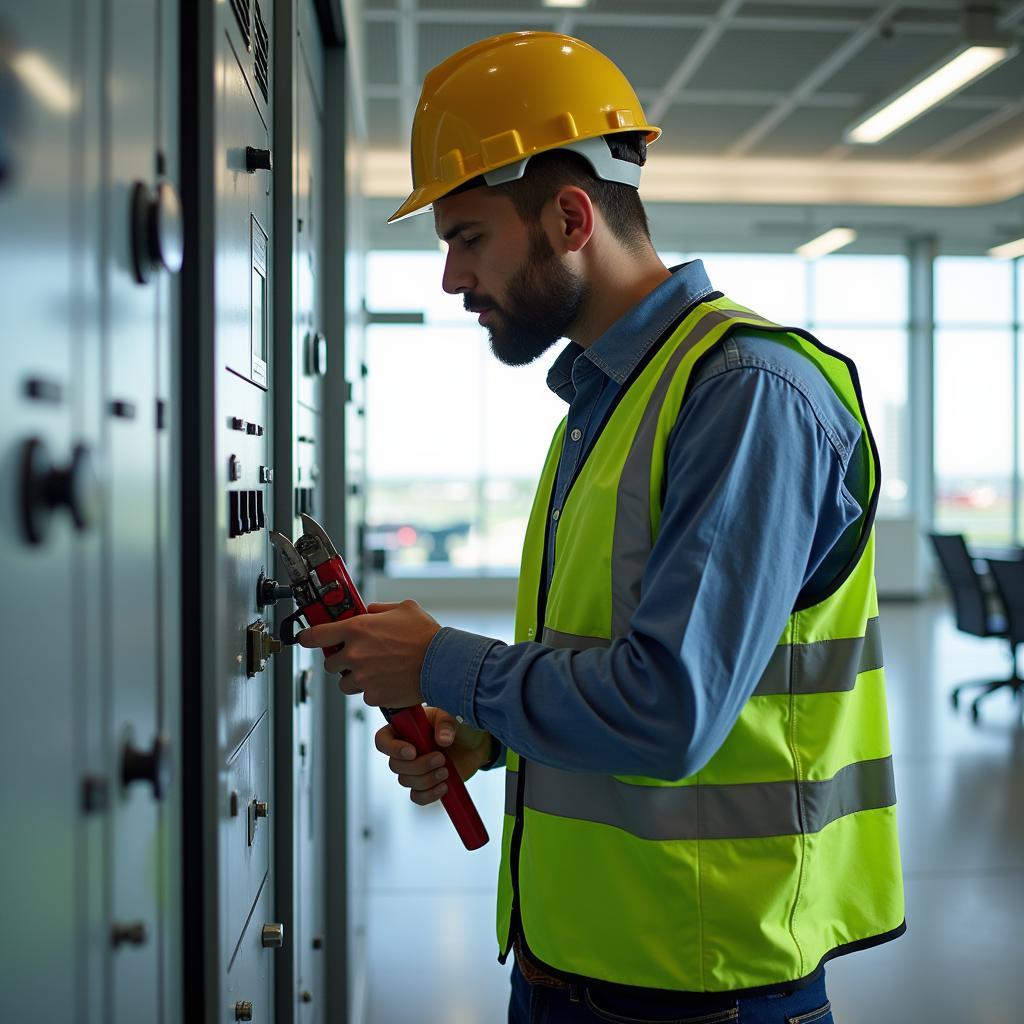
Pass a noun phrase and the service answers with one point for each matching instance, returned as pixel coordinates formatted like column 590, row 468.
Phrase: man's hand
column 382, row 653
column 467, row 749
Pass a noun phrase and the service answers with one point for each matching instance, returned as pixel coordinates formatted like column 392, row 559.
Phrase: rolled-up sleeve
column 754, row 500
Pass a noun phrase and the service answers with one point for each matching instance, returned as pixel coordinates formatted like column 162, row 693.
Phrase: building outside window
column 975, row 395
column 456, row 440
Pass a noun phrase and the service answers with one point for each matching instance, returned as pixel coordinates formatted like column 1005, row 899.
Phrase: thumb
column 382, row 606
column 444, row 729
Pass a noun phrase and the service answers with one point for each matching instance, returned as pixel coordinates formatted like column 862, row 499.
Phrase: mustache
column 472, row 304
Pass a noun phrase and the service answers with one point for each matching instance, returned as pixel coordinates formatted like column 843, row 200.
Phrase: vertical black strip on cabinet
column 340, row 959
column 198, row 822
column 284, row 390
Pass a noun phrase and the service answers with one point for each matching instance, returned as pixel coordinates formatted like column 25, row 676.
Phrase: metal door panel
column 40, row 712
column 131, row 523
column 250, row 967
column 239, row 194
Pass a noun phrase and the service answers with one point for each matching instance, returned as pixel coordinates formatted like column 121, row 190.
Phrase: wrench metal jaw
column 295, row 564
column 311, row 528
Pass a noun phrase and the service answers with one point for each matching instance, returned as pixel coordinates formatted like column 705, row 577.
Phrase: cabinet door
column 131, row 578
column 39, row 692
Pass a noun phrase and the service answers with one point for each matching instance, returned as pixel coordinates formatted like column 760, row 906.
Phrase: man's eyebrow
column 455, row 229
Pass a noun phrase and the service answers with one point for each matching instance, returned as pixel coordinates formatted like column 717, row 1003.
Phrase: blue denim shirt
column 765, row 484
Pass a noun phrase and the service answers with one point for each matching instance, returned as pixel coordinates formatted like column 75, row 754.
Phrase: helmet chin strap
column 595, row 151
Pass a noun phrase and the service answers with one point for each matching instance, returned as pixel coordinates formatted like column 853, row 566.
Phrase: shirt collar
column 617, row 351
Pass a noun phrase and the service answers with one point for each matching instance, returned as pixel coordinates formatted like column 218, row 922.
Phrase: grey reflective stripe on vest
column 631, row 541
column 750, row 810
column 825, row 666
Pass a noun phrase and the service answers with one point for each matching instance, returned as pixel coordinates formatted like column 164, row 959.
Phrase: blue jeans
column 540, row 1004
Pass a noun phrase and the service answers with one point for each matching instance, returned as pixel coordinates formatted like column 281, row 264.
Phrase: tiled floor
column 961, row 798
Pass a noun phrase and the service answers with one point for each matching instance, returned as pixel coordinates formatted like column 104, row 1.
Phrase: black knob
column 45, row 488
column 318, row 942
column 258, row 160
column 158, row 230
column 152, row 766
column 317, row 356
column 132, row 933
column 307, row 996
column 269, row 591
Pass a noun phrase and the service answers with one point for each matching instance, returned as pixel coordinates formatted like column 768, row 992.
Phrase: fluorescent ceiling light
column 826, row 243
column 566, row 3
column 965, row 66
column 1008, row 250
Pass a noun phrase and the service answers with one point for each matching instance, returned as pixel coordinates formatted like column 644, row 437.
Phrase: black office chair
column 1009, row 578
column 971, row 603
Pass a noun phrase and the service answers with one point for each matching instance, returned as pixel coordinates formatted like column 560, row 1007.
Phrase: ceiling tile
column 382, row 121
column 382, row 66
column 646, row 58
column 807, row 132
column 437, row 42
column 1008, row 135
column 703, row 131
column 884, row 64
column 748, row 59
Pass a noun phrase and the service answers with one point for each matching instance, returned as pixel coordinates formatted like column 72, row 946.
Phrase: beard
column 543, row 300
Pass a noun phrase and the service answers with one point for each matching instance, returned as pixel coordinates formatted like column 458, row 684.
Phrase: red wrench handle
column 412, row 725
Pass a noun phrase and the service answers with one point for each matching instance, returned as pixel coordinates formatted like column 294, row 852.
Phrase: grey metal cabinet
column 303, row 354
column 89, row 241
column 229, row 385
column 40, row 695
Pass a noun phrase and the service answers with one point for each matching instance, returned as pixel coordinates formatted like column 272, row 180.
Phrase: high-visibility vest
column 781, row 852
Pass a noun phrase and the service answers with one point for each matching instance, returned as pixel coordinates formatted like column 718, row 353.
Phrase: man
column 700, row 809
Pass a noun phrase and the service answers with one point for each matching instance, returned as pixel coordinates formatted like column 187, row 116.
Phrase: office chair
column 971, row 605
column 1009, row 577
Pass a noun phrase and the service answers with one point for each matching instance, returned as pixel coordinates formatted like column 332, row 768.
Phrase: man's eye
column 471, row 241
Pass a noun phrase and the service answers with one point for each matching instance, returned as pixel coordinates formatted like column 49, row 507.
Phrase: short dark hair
column 547, row 172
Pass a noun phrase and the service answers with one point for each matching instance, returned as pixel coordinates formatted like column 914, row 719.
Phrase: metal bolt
column 262, row 808
column 243, row 1010
column 273, row 936
column 307, row 997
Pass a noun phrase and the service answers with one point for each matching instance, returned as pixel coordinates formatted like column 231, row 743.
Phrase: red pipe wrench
column 324, row 592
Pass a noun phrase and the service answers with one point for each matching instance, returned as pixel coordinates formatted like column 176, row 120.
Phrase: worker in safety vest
column 700, row 808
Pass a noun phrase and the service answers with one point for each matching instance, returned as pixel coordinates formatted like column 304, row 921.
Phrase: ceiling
column 753, row 96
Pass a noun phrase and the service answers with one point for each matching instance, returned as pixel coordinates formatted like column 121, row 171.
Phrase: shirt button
column 576, row 434
column 460, row 719
column 555, row 515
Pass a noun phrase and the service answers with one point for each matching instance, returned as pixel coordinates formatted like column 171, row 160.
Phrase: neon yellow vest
column 782, row 851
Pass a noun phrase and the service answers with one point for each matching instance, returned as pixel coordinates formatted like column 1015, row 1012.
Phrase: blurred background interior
column 380, row 409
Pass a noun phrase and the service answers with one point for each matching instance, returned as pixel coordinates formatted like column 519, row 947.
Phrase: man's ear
column 573, row 216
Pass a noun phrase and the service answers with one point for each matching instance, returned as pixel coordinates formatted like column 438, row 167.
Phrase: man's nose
column 456, row 277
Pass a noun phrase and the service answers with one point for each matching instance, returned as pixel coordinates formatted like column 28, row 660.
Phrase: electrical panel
column 170, row 258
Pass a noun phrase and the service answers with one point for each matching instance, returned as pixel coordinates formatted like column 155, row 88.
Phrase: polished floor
column 960, row 786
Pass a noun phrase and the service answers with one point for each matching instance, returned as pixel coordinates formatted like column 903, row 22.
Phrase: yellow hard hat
column 490, row 107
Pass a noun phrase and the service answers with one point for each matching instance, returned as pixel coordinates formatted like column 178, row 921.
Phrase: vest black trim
column 708, row 1001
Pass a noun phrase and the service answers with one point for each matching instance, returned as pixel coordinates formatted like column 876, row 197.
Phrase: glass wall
column 976, row 392
column 455, row 440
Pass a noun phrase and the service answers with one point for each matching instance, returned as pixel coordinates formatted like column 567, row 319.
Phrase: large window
column 975, row 395
column 857, row 305
column 456, row 440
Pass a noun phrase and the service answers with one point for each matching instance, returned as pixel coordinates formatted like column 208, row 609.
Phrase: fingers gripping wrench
column 324, row 592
